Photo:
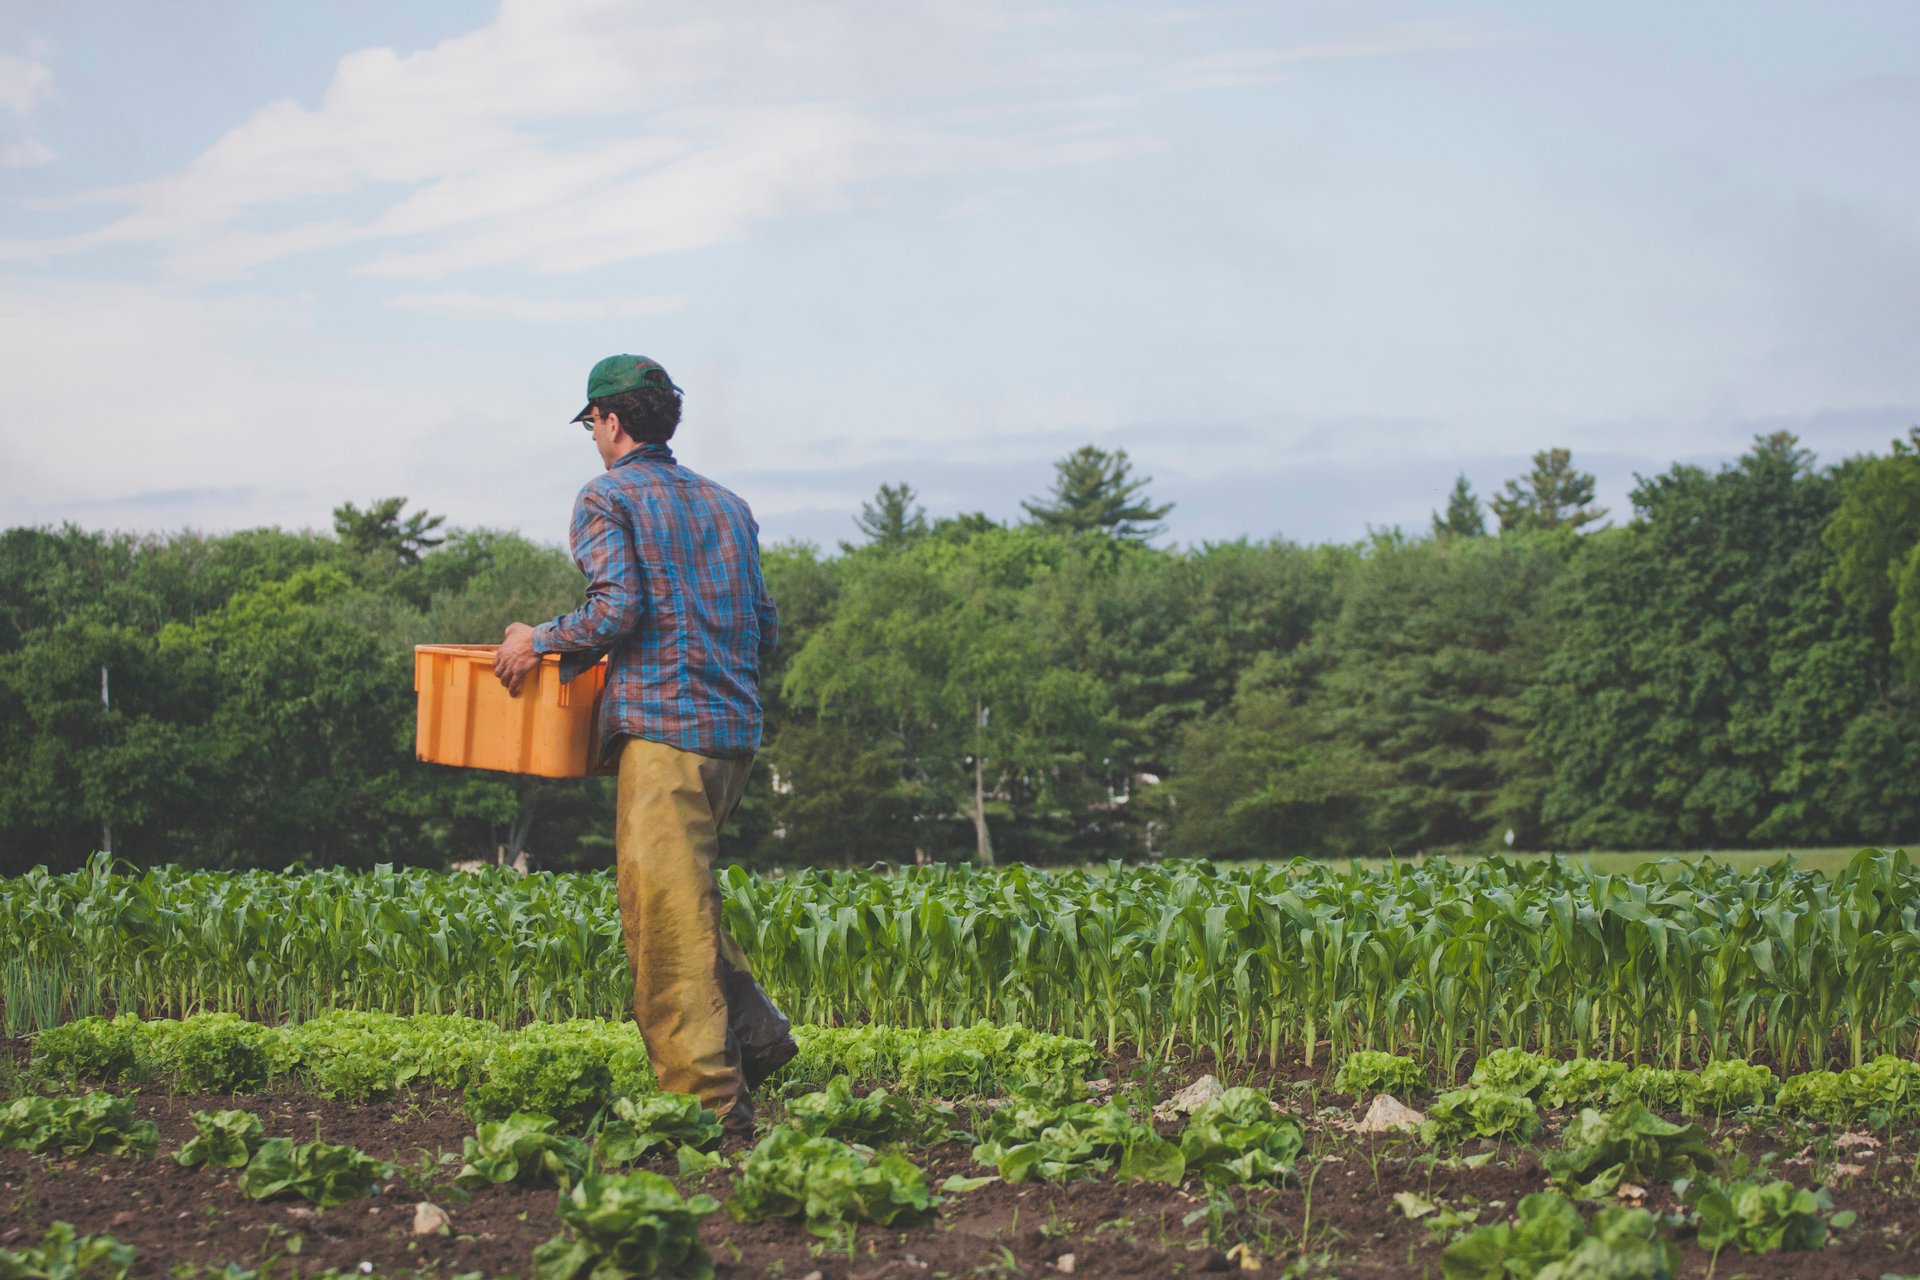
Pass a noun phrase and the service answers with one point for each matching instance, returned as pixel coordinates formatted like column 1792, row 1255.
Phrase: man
column 675, row 597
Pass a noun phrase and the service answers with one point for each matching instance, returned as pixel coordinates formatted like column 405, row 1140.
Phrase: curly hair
column 648, row 414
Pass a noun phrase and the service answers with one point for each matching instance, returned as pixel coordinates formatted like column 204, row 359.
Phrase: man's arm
column 616, row 596
column 763, row 605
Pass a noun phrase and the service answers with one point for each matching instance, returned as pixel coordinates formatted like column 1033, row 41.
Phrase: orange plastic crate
column 467, row 718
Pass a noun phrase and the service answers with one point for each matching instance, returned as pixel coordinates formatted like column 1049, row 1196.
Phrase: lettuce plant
column 63, row 1254
column 1512, row 1071
column 943, row 1062
column 1762, row 1217
column 878, row 1117
column 1880, row 1091
column 224, row 1138
column 1599, row 1152
column 1236, row 1139
column 1579, row 1081
column 364, row 1055
column 105, row 1050
column 1033, row 1137
column 1548, row 1240
column 1817, row 1095
column 219, row 1053
column 626, row 1225
column 1734, row 1085
column 657, row 1120
column 1367, row 1071
column 1658, row 1087
column 75, row 1126
column 522, row 1149
column 1481, row 1112
column 545, row 1070
column 827, row 1182
column 321, row 1172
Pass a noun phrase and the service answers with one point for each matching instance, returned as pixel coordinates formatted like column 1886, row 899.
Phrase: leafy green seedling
column 663, row 1120
column 321, row 1172
column 1034, row 1138
column 1237, row 1138
column 522, row 1149
column 1734, row 1085
column 63, row 1254
column 1762, row 1217
column 75, row 1126
column 1367, row 1071
column 829, row 1184
column 1658, row 1087
column 224, row 1138
column 877, row 1118
column 1579, row 1081
column 1877, row 1092
column 1548, row 1240
column 1597, row 1153
column 627, row 1225
column 1512, row 1071
column 1480, row 1112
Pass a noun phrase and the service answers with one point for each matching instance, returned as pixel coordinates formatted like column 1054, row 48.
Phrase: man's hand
column 516, row 657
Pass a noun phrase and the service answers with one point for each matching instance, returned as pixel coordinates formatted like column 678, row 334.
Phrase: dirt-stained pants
column 672, row 804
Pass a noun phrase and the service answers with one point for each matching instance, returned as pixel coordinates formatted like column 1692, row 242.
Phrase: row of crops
column 570, row 1106
column 1677, row 963
column 575, row 1070
column 572, row 1070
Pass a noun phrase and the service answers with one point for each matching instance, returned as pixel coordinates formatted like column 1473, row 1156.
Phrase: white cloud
column 569, row 134
column 1232, row 68
column 25, row 82
column 461, row 305
column 1070, row 62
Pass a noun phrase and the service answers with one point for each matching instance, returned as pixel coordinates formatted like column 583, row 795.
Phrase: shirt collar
column 650, row 450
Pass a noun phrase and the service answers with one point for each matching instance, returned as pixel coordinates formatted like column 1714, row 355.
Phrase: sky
column 1306, row 262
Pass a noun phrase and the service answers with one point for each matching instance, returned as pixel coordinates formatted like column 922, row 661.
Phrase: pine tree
column 380, row 534
column 1552, row 496
column 893, row 519
column 1463, row 518
column 1092, row 489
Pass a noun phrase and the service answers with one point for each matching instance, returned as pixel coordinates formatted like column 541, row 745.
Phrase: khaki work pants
column 672, row 804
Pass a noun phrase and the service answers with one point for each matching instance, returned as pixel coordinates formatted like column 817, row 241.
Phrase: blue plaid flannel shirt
column 674, row 594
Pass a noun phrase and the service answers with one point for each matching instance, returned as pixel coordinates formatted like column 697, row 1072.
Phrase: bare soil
column 1336, row 1218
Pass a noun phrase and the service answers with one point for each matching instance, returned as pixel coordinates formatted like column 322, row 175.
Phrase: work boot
column 736, row 1127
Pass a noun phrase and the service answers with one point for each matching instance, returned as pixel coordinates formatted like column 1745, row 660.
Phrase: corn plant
column 1672, row 965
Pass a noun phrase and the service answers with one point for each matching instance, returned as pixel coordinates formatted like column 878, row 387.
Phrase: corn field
column 1676, row 964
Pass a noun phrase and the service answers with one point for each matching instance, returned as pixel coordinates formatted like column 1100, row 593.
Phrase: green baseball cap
column 623, row 373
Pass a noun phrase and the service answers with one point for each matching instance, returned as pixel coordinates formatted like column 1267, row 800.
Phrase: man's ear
column 613, row 420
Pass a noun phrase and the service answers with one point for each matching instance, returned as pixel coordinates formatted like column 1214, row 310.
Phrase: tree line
column 1734, row 663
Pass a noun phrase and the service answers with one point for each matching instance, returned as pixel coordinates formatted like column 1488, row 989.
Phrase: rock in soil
column 1387, row 1114
column 1189, row 1099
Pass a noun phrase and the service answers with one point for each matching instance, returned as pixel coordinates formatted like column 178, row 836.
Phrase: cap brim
column 584, row 413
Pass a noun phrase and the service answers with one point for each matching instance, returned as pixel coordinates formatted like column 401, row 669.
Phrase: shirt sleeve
column 616, row 596
column 763, row 606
